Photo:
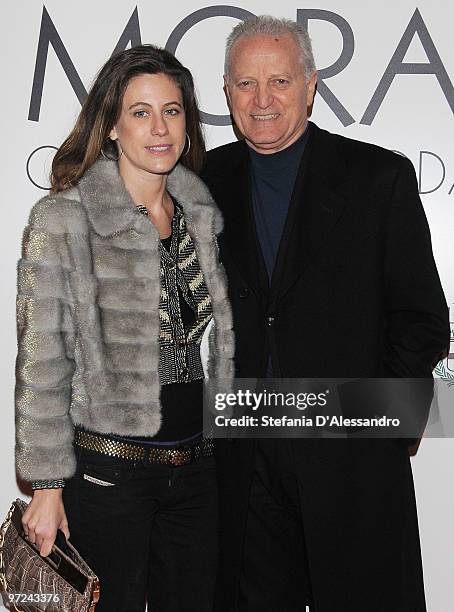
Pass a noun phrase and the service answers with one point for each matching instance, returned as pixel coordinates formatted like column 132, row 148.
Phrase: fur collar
column 111, row 209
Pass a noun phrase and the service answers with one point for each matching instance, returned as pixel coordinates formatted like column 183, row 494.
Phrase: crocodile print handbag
column 60, row 582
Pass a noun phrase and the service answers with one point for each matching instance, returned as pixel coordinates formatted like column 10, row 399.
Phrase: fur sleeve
column 45, row 358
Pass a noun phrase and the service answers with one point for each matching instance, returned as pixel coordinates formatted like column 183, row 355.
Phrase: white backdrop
column 388, row 73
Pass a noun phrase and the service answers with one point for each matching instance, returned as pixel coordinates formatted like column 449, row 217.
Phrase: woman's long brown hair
column 102, row 108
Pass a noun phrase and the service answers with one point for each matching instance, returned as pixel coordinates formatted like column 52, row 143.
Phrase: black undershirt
column 273, row 178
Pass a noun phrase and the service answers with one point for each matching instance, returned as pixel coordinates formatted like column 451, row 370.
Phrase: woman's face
column 151, row 129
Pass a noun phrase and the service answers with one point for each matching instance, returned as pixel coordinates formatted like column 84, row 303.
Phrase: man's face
column 267, row 91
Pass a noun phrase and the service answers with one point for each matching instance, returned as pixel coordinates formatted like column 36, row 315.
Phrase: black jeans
column 275, row 574
column 150, row 534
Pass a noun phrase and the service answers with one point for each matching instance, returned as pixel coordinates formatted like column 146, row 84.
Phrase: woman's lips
column 161, row 149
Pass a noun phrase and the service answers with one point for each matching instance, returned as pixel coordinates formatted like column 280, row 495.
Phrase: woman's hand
column 44, row 515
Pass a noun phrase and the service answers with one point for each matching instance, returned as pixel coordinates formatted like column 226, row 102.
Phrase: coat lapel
column 240, row 237
column 318, row 199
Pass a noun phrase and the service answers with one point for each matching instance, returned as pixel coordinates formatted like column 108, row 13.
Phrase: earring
column 189, row 145
column 118, row 148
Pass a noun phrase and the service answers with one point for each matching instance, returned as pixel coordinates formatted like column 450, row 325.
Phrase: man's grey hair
column 271, row 26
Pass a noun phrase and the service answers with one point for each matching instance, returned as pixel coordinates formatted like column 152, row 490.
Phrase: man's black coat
column 355, row 293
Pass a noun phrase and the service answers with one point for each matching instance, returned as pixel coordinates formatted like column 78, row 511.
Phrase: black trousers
column 275, row 574
column 148, row 531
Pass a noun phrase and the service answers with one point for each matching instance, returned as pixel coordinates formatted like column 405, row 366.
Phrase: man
column 331, row 274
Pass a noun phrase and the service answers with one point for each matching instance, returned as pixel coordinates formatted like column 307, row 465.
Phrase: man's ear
column 226, row 90
column 311, row 89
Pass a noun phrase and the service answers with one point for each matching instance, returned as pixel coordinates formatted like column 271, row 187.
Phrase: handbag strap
column 94, row 596
column 3, row 529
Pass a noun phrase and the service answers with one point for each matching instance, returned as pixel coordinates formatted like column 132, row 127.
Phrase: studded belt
column 101, row 443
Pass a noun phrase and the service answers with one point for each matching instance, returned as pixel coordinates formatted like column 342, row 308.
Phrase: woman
column 118, row 280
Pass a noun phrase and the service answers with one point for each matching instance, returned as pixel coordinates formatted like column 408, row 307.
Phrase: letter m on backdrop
column 48, row 35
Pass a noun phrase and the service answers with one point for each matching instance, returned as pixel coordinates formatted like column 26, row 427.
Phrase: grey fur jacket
column 87, row 315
